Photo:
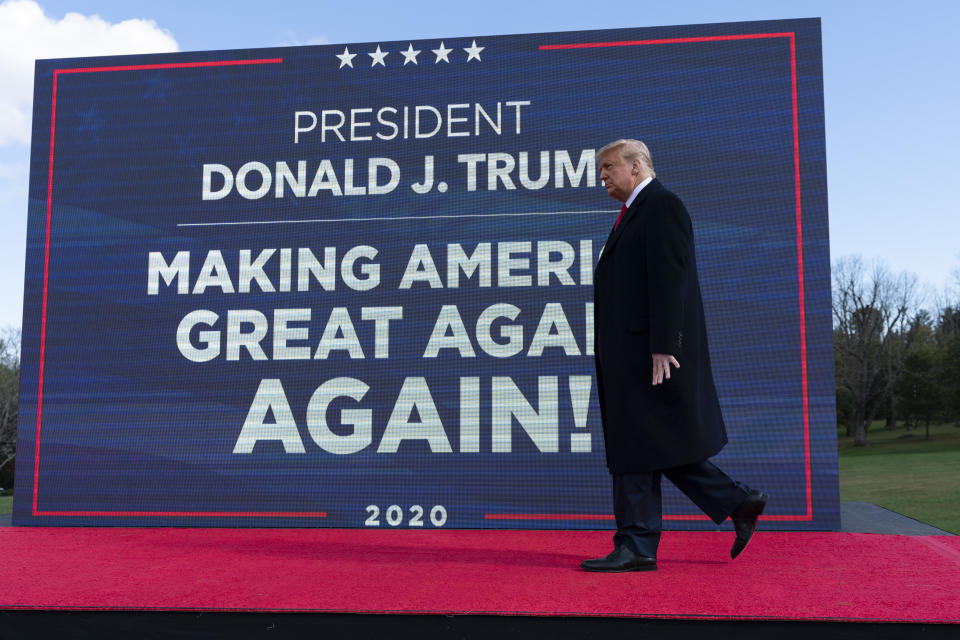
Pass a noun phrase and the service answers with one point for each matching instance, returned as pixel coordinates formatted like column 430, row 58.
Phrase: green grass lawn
column 903, row 472
column 6, row 504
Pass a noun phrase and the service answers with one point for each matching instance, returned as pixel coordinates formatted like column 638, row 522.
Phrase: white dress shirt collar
column 637, row 190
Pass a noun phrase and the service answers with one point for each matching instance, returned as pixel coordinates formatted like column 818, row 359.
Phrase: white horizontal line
column 383, row 218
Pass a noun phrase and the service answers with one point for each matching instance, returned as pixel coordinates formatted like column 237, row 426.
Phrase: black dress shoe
column 621, row 559
column 745, row 520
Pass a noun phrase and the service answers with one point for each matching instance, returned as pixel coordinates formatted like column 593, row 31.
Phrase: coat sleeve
column 668, row 238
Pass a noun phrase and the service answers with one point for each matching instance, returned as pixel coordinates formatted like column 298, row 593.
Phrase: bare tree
column 9, row 397
column 873, row 333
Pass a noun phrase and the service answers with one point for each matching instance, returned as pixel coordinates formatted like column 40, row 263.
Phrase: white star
column 346, row 58
column 441, row 54
column 378, row 57
column 473, row 52
column 409, row 55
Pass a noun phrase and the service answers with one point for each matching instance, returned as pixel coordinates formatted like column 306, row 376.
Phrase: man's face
column 619, row 177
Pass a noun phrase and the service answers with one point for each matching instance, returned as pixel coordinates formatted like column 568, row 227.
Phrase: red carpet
column 792, row 576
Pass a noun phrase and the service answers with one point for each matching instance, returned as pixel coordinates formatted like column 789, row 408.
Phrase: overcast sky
column 890, row 77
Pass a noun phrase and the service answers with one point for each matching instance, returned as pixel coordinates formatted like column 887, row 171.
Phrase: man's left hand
column 661, row 367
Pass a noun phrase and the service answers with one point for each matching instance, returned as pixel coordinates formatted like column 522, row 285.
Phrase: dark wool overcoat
column 647, row 300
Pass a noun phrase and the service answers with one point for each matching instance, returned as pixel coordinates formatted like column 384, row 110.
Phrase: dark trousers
column 637, row 503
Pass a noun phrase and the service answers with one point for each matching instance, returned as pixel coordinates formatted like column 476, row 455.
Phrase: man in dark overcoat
column 658, row 403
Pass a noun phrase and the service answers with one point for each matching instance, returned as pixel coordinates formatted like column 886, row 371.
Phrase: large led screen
column 351, row 285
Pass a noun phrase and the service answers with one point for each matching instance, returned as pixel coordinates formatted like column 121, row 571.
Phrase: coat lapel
column 633, row 212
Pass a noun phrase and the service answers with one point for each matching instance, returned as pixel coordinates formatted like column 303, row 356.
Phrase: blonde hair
column 631, row 150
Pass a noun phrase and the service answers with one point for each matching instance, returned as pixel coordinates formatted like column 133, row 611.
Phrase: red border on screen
column 807, row 516
column 43, row 326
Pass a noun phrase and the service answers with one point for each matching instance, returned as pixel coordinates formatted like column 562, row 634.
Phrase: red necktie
column 623, row 210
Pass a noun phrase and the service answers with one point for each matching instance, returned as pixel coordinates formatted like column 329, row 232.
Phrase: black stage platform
column 328, row 626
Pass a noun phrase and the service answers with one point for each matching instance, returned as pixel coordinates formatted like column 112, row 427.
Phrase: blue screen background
column 135, row 434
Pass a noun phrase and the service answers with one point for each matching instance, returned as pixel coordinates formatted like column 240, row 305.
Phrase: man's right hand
column 661, row 367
